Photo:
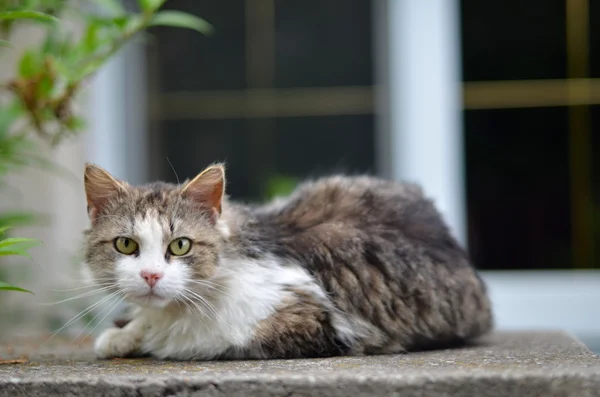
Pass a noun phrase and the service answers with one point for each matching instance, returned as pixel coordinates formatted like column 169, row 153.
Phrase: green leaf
column 55, row 41
column 17, row 250
column 151, row 5
column 91, row 39
column 17, row 246
column 50, row 45
column 181, row 20
column 45, row 87
column 61, row 68
column 7, row 287
column 8, row 115
column 120, row 22
column 113, row 6
column 11, row 220
column 16, row 240
column 29, row 4
column 23, row 14
column 75, row 123
column 6, row 252
column 4, row 43
column 29, row 65
column 133, row 24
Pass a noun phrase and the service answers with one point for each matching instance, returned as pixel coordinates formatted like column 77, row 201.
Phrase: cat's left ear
column 207, row 189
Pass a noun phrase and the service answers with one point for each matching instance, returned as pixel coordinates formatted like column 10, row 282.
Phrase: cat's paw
column 115, row 342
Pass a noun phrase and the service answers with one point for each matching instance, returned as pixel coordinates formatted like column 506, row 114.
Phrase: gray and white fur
column 343, row 266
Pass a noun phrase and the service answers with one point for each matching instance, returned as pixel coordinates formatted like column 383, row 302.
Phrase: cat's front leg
column 120, row 342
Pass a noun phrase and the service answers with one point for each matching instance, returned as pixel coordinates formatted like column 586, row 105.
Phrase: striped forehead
column 151, row 228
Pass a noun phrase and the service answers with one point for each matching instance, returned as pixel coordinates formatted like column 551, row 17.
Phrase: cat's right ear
column 100, row 186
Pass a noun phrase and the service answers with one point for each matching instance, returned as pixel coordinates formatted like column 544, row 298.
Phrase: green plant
column 14, row 246
column 49, row 74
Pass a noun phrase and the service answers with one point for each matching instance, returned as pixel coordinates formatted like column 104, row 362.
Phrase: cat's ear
column 100, row 186
column 208, row 188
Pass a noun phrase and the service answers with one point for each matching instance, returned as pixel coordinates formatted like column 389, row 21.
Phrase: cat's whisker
column 80, row 288
column 198, row 310
column 95, row 278
column 175, row 172
column 205, row 282
column 186, row 295
column 87, row 281
column 69, row 277
column 198, row 299
column 210, row 285
column 190, row 308
column 81, row 314
column 110, row 301
column 114, row 306
column 84, row 295
column 198, row 296
column 178, row 300
column 191, row 311
column 205, row 302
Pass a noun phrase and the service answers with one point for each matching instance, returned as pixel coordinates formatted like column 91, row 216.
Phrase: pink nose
column 150, row 277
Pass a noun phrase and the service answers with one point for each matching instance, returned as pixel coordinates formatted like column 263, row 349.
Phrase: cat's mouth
column 152, row 295
column 150, row 298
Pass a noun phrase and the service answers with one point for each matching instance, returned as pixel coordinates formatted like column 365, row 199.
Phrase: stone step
column 503, row 364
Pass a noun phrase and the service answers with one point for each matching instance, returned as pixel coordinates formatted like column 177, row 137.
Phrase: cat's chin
column 151, row 300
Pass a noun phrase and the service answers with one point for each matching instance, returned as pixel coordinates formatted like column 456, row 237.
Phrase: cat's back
column 340, row 210
column 339, row 198
column 385, row 256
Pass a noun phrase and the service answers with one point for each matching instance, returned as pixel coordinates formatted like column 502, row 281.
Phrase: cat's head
column 153, row 244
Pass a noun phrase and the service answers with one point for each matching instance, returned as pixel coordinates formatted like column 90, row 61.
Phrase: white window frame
column 118, row 135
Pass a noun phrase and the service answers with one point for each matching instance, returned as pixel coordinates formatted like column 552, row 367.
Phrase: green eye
column 180, row 246
column 125, row 245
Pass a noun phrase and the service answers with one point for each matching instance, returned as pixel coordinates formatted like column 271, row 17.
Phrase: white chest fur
column 253, row 290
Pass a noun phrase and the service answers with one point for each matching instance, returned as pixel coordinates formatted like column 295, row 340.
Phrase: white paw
column 115, row 342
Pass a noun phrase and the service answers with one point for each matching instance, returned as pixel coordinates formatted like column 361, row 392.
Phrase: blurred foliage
column 79, row 37
column 50, row 74
column 279, row 185
column 14, row 246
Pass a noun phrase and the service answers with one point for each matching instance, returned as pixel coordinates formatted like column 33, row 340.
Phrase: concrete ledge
column 504, row 364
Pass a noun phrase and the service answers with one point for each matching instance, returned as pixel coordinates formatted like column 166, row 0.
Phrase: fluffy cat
column 344, row 266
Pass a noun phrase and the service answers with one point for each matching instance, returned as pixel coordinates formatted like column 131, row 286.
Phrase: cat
column 346, row 265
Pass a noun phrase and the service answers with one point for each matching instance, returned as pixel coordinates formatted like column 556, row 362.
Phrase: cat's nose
column 151, row 277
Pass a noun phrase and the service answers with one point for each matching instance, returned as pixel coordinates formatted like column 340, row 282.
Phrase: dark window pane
column 518, row 188
column 191, row 145
column 595, row 136
column 323, row 145
column 190, row 61
column 513, row 39
column 323, row 43
column 292, row 147
column 594, row 37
